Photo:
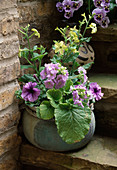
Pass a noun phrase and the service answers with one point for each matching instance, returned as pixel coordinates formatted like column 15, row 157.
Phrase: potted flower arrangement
column 59, row 99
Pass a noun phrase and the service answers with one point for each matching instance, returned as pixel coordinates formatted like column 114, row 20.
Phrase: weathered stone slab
column 99, row 154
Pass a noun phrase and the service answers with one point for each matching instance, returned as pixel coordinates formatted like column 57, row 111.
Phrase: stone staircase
column 100, row 153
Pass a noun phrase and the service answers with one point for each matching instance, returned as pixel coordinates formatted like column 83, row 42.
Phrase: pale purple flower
column 67, row 5
column 49, row 84
column 116, row 1
column 99, row 14
column 75, row 95
column 97, row 3
column 68, row 14
column 96, row 91
column 79, row 103
column 81, row 70
column 107, row 2
column 60, row 81
column 77, row 4
column 43, row 74
column 29, row 93
column 106, row 7
column 59, row 6
column 104, row 23
column 85, row 79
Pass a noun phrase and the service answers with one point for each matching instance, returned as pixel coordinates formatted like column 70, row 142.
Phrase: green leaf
column 72, row 122
column 67, row 85
column 26, row 66
column 87, row 66
column 35, row 48
column 27, row 78
column 38, row 112
column 46, row 110
column 54, row 95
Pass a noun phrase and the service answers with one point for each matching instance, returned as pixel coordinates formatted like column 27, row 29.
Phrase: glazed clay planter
column 43, row 133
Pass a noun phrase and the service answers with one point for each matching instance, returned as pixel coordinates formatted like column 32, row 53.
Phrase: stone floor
column 99, row 154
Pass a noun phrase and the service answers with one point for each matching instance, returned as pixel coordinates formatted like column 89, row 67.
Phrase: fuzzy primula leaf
column 54, row 95
column 72, row 122
column 46, row 110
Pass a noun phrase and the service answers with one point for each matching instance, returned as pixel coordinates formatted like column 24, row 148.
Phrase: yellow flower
column 74, row 36
column 60, row 47
column 93, row 27
column 36, row 32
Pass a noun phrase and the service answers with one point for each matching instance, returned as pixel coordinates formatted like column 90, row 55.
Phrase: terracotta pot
column 43, row 133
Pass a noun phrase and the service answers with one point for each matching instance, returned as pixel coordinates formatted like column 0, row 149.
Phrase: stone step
column 106, row 109
column 99, row 154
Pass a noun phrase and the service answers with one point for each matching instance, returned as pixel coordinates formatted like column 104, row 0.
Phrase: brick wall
column 9, row 71
column 42, row 15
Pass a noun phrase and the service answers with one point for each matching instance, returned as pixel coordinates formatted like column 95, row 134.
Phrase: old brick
column 9, row 70
column 9, row 25
column 9, row 141
column 7, row 94
column 4, row 4
column 9, row 47
column 9, row 117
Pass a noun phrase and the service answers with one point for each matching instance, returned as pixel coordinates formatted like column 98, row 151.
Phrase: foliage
column 58, row 92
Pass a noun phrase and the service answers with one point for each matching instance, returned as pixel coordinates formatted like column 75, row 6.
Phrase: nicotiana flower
column 29, row 92
column 95, row 90
column 60, row 47
column 93, row 27
column 59, row 6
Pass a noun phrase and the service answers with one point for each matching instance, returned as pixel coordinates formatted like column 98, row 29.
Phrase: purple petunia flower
column 99, row 14
column 29, row 93
column 104, row 23
column 49, row 84
column 96, row 91
column 59, row 6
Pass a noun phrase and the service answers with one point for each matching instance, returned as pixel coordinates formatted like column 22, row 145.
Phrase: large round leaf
column 46, row 110
column 72, row 122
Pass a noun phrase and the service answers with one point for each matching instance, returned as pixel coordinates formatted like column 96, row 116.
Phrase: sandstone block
column 4, row 4
column 9, row 141
column 9, row 47
column 9, row 117
column 9, row 25
column 7, row 94
column 9, row 70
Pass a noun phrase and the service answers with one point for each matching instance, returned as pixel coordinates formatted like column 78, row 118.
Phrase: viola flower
column 68, row 14
column 67, row 5
column 106, row 7
column 29, row 93
column 104, row 23
column 96, row 91
column 97, row 3
column 59, row 6
column 107, row 2
column 49, row 84
column 77, row 4
column 99, row 14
